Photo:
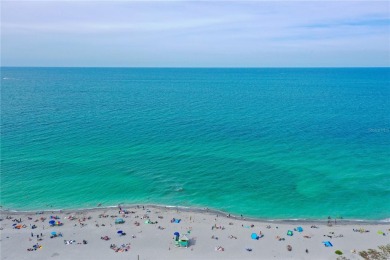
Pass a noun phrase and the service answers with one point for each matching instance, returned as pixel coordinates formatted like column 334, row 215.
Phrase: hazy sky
column 195, row 33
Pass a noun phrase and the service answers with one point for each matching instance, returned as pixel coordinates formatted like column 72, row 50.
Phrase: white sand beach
column 211, row 236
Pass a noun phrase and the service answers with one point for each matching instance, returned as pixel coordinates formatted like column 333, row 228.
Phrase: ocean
column 277, row 143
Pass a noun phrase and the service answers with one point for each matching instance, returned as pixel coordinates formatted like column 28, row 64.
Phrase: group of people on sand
column 122, row 248
column 32, row 235
column 217, row 227
column 361, row 230
column 34, row 247
column 70, row 242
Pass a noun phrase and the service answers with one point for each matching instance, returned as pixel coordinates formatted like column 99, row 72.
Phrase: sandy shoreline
column 199, row 210
column 207, row 230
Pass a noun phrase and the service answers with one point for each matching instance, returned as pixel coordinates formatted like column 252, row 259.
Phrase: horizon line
column 201, row 67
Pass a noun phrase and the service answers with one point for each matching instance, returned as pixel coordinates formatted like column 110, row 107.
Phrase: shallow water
column 269, row 143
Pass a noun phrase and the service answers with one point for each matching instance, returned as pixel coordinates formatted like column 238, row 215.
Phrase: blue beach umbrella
column 54, row 233
column 52, row 222
column 254, row 236
column 176, row 234
column 120, row 232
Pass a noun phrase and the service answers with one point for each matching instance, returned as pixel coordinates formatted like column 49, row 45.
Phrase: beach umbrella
column 300, row 229
column 289, row 233
column 327, row 243
column 176, row 234
column 254, row 236
column 52, row 222
column 54, row 233
column 119, row 232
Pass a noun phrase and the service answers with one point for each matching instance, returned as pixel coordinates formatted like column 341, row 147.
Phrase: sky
column 183, row 33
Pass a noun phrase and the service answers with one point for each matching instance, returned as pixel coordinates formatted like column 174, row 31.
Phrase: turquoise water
column 269, row 143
